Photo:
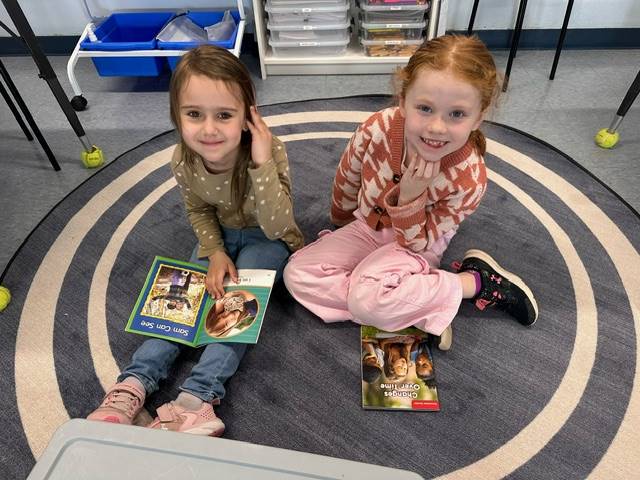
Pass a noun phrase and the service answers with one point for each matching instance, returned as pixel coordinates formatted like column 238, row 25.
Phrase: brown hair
column 216, row 63
column 467, row 58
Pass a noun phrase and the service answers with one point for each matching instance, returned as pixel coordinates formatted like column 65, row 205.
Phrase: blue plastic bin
column 202, row 19
column 128, row 31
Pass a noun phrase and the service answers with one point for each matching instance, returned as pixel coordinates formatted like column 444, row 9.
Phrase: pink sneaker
column 120, row 405
column 203, row 421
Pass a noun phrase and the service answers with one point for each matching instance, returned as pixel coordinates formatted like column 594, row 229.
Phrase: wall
column 501, row 14
column 68, row 17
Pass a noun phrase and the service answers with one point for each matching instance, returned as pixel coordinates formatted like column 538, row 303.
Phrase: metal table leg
column 563, row 33
column 514, row 43
column 472, row 20
column 46, row 71
column 14, row 110
column 27, row 115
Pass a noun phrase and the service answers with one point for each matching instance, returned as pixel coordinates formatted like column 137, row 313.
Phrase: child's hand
column 219, row 265
column 416, row 179
column 260, row 138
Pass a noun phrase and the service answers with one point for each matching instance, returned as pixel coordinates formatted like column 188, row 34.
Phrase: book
column 397, row 370
column 174, row 304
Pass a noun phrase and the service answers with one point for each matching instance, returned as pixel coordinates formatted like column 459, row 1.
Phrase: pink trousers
column 356, row 273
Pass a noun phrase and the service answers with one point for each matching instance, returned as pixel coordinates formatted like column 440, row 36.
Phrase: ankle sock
column 478, row 278
column 188, row 401
column 133, row 381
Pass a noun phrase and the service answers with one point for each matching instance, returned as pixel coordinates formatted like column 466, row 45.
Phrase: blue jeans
column 248, row 248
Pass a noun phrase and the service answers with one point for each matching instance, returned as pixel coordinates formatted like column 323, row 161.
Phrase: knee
column 292, row 274
column 363, row 304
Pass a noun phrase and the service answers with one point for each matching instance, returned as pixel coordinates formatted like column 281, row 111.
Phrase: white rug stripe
column 104, row 363
column 317, row 117
column 533, row 437
column 39, row 402
column 622, row 459
column 313, row 136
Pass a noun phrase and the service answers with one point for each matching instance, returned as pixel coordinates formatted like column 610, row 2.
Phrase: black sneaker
column 500, row 288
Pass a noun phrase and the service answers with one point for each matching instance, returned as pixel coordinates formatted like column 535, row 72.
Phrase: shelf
column 354, row 61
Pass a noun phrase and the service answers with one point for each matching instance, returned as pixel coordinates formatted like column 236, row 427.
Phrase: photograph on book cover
column 175, row 295
column 397, row 370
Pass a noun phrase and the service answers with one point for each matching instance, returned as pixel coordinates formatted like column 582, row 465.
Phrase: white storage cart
column 152, row 56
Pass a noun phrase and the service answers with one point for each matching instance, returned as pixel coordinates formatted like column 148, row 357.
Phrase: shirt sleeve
column 202, row 216
column 348, row 179
column 419, row 224
column 271, row 183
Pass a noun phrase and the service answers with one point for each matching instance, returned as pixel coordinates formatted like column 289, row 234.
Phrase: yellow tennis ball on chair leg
column 605, row 139
column 93, row 158
column 5, row 298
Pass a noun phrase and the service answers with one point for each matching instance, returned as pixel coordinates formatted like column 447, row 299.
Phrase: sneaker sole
column 512, row 277
column 446, row 339
column 211, row 429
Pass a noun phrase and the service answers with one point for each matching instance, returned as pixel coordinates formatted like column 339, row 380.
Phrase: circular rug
column 558, row 400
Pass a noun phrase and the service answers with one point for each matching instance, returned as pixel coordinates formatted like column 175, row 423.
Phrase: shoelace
column 122, row 400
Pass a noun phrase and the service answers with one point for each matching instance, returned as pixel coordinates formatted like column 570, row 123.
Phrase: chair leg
column 27, row 115
column 514, row 43
column 627, row 101
column 16, row 113
column 472, row 20
column 563, row 33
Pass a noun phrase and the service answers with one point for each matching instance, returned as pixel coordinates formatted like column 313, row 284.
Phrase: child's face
column 424, row 367
column 440, row 112
column 371, row 360
column 211, row 120
column 400, row 367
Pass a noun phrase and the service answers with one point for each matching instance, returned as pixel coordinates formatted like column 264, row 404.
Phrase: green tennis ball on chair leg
column 5, row 298
column 605, row 139
column 93, row 158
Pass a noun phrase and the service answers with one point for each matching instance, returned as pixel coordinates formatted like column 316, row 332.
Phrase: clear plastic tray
column 309, row 32
column 309, row 13
column 395, row 2
column 392, row 31
column 393, row 13
column 308, row 49
column 390, row 48
column 305, row 3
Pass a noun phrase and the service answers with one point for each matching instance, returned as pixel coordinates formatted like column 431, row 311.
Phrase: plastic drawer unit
column 312, row 13
column 309, row 32
column 309, row 49
column 392, row 31
column 393, row 13
column 390, row 48
column 395, row 2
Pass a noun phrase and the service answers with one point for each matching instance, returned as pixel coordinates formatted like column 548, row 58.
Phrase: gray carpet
column 558, row 400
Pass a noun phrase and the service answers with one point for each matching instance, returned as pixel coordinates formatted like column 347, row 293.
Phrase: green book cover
column 175, row 305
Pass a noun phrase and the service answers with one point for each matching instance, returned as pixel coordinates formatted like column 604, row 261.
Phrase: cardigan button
column 378, row 209
column 396, row 178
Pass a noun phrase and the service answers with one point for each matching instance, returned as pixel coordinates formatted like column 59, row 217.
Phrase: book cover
column 174, row 304
column 397, row 370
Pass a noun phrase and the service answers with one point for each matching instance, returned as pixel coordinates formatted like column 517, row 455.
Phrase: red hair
column 465, row 57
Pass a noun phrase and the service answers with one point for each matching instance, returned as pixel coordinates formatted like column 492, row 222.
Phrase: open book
column 397, row 370
column 174, row 305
